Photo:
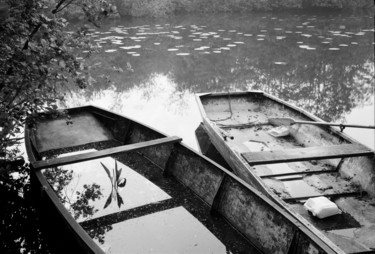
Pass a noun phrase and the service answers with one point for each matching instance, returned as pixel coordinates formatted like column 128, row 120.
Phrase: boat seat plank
column 103, row 153
column 297, row 173
column 305, row 154
column 332, row 195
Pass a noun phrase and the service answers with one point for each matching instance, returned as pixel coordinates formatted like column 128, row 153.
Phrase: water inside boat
column 158, row 214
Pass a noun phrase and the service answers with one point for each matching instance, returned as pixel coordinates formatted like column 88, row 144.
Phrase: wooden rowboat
column 111, row 184
column 310, row 161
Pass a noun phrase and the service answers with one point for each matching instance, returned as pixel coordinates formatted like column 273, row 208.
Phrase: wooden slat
column 305, row 154
column 333, row 195
column 300, row 173
column 103, row 153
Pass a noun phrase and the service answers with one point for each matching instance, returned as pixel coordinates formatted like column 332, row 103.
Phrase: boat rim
column 88, row 242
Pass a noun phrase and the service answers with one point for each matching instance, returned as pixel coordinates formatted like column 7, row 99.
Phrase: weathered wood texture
column 207, row 148
column 262, row 222
column 269, row 230
column 140, row 133
column 195, row 172
column 305, row 154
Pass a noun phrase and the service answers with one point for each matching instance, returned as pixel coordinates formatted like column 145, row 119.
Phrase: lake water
column 150, row 69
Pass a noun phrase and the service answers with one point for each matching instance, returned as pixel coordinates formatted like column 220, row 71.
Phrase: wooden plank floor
column 306, row 154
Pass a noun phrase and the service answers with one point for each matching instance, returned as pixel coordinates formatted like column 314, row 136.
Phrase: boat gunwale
column 312, row 230
column 82, row 235
column 85, row 241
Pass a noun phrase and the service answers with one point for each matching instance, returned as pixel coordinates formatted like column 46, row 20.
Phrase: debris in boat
column 314, row 162
column 321, row 207
column 277, row 187
column 280, row 131
column 226, row 135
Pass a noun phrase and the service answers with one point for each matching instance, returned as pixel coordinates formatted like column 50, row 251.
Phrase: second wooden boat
column 107, row 183
column 291, row 164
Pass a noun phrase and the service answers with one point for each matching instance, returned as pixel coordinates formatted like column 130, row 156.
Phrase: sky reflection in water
column 149, row 221
column 138, row 190
column 157, row 104
column 322, row 62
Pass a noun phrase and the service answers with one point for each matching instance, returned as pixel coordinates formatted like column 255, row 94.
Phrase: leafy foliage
column 157, row 8
column 37, row 57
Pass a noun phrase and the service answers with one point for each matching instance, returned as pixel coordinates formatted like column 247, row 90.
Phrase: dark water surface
column 149, row 69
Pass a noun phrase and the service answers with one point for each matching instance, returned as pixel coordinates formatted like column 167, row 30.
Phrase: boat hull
column 234, row 122
column 262, row 225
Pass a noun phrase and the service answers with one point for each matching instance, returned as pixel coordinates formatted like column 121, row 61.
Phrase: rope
column 230, row 110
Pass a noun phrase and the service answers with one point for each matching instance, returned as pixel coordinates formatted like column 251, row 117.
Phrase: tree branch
column 36, row 29
column 56, row 9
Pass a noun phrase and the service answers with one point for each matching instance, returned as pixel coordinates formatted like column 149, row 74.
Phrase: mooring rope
column 230, row 110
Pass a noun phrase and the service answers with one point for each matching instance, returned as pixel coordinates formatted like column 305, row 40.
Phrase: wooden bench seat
column 103, row 153
column 306, row 154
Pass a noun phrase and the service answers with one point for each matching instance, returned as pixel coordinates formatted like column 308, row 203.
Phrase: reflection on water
column 117, row 182
column 158, row 103
column 170, row 231
column 158, row 214
column 151, row 68
column 84, row 188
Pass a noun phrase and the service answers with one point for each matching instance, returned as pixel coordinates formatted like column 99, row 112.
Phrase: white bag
column 280, row 131
column 321, row 207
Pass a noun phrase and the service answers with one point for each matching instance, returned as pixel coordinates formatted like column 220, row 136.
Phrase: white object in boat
column 321, row 207
column 280, row 131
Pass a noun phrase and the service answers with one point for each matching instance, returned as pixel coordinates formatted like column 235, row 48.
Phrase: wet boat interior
column 311, row 161
column 159, row 214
